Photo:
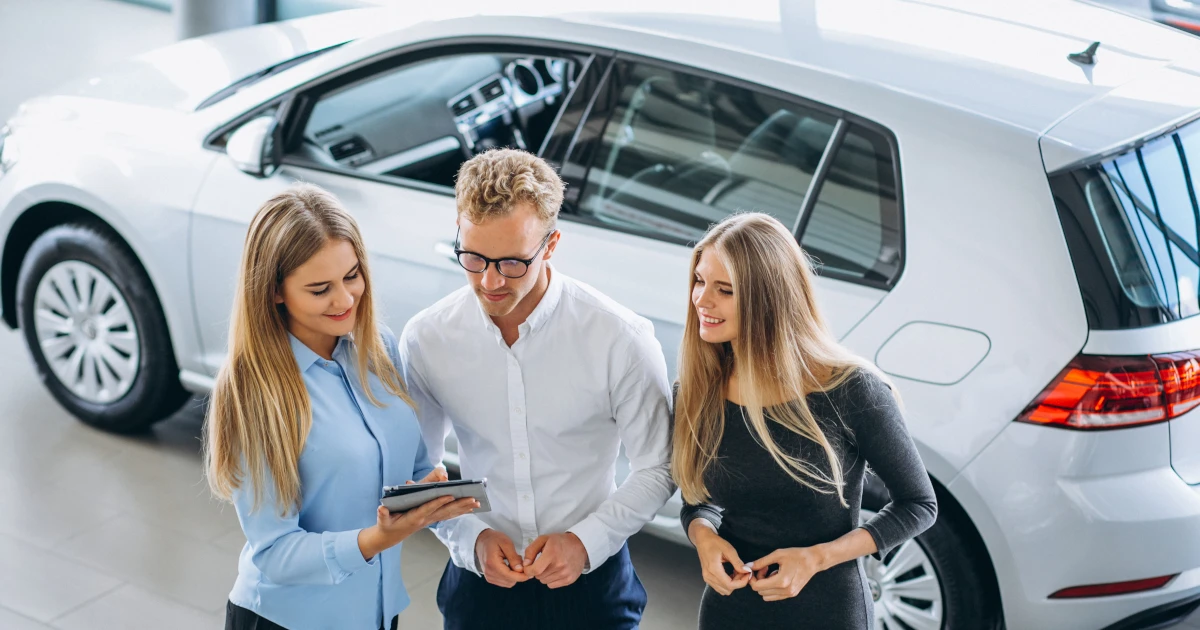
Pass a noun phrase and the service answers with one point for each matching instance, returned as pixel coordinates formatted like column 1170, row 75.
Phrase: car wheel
column 96, row 331
column 930, row 582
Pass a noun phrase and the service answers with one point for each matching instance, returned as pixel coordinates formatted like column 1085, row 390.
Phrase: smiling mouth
column 711, row 321
column 340, row 316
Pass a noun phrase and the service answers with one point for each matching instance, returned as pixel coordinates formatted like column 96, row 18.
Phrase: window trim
column 296, row 104
column 844, row 121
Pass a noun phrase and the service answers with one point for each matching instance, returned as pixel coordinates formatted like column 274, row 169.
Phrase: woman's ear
column 279, row 295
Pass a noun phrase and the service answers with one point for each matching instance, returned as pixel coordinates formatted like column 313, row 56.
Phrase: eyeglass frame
column 488, row 262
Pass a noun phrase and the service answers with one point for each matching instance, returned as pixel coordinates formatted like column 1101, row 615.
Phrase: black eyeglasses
column 508, row 267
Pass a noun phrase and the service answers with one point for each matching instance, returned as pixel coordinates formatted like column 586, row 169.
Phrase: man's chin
column 497, row 309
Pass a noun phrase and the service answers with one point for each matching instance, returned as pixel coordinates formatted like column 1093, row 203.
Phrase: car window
column 681, row 152
column 422, row 120
column 854, row 227
column 1132, row 225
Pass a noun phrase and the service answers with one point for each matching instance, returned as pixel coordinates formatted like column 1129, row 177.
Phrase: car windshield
column 247, row 81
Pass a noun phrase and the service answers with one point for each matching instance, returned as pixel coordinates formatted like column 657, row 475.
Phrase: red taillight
column 1192, row 27
column 1095, row 392
column 1114, row 588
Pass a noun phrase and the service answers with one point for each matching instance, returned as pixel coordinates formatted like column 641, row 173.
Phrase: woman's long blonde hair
column 260, row 413
column 783, row 351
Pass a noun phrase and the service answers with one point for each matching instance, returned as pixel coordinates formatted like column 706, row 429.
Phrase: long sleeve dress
column 759, row 508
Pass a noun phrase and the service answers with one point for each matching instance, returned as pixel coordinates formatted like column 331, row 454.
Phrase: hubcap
column 906, row 589
column 86, row 332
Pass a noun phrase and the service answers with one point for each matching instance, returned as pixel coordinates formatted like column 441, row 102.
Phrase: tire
column 968, row 600
column 96, row 331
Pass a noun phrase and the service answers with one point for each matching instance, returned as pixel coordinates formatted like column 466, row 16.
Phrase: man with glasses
column 543, row 379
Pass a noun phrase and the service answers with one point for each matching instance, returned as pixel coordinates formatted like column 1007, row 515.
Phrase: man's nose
column 492, row 279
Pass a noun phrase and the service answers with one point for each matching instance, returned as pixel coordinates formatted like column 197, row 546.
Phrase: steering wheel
column 312, row 151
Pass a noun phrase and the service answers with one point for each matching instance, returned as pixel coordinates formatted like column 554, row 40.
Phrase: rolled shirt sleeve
column 641, row 409
column 287, row 554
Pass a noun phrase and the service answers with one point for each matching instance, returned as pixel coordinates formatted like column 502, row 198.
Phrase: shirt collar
column 305, row 357
column 541, row 313
column 549, row 302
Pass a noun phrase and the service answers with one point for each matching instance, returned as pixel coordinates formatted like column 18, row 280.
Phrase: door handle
column 446, row 249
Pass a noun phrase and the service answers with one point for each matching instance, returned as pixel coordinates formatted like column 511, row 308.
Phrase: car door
column 664, row 153
column 387, row 140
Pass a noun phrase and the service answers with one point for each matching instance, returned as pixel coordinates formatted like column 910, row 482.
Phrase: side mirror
column 252, row 147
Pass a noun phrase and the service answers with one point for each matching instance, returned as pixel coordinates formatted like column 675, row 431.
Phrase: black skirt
column 238, row 618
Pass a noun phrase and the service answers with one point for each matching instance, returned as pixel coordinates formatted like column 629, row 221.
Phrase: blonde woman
column 775, row 426
column 308, row 421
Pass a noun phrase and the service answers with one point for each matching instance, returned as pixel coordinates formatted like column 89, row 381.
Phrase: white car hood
column 181, row 76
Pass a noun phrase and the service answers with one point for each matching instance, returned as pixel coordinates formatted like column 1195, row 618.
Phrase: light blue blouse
column 305, row 570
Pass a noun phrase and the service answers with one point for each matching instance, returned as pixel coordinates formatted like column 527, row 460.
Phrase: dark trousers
column 609, row 598
column 238, row 618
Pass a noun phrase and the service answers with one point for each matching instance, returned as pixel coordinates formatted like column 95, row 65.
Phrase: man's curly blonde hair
column 492, row 183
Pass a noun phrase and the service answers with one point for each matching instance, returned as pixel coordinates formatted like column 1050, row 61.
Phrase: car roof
column 1003, row 60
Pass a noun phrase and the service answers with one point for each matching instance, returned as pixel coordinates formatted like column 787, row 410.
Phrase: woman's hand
column 795, row 568
column 714, row 552
column 438, row 474
column 390, row 529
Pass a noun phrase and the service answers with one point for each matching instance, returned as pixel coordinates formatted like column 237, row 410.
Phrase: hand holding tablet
column 406, row 497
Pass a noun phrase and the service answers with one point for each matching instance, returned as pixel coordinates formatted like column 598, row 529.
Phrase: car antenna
column 1087, row 57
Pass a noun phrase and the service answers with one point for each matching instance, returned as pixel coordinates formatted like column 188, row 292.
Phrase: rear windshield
column 1133, row 226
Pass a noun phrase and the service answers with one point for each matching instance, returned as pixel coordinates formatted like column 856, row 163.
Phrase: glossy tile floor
column 99, row 532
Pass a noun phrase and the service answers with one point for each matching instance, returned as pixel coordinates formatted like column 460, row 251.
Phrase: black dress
column 759, row 508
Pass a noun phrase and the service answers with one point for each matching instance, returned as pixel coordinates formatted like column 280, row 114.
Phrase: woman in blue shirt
column 308, row 421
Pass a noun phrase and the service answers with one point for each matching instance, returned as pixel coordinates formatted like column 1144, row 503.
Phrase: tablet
column 406, row 497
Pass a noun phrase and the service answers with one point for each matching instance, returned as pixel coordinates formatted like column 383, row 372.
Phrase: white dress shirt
column 543, row 420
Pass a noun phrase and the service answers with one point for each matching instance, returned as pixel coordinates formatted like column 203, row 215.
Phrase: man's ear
column 551, row 244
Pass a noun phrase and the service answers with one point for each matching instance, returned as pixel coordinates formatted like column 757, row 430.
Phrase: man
column 542, row 378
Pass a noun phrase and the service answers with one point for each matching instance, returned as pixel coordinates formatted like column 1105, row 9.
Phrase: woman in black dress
column 775, row 425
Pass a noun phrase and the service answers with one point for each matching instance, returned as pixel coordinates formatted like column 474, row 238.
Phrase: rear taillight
column 1095, row 392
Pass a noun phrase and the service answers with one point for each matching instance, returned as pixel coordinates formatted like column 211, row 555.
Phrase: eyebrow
column 317, row 284
column 716, row 281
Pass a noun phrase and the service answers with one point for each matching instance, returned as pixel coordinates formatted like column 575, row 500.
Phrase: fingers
column 775, row 557
column 431, row 506
column 730, row 555
column 741, row 580
column 509, row 552
column 778, row 594
column 455, row 510
column 780, row 581
column 531, row 554
column 386, row 519
column 496, row 571
column 437, row 474
column 715, row 576
column 561, row 582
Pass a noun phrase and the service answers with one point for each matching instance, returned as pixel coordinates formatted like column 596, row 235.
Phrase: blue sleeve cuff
column 342, row 553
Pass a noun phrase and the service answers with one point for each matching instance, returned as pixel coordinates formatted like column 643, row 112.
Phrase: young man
column 542, row 378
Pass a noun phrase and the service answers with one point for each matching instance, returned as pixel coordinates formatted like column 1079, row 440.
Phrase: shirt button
column 522, row 455
column 525, row 496
column 517, row 409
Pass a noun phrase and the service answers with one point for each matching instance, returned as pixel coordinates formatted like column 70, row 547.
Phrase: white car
column 1010, row 233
